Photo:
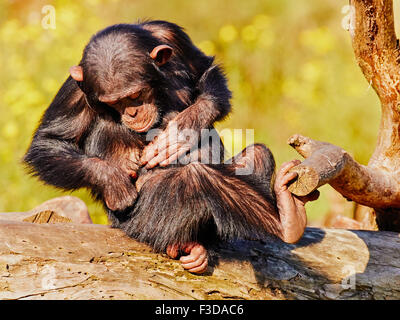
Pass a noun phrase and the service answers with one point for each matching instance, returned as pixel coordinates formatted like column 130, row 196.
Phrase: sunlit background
column 289, row 63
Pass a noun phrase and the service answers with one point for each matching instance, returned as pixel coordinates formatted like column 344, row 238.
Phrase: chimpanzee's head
column 120, row 67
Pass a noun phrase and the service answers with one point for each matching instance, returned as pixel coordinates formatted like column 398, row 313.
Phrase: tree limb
column 378, row 184
column 377, row 53
column 326, row 163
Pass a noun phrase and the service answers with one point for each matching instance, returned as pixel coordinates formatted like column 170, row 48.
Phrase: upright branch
column 377, row 53
column 378, row 184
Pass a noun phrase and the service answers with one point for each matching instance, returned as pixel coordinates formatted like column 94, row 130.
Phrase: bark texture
column 87, row 261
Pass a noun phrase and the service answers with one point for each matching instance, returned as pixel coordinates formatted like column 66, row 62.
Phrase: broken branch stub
column 327, row 163
column 324, row 162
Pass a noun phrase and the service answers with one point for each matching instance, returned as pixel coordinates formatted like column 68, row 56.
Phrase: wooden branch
column 83, row 261
column 326, row 163
column 323, row 163
column 375, row 44
column 378, row 184
column 377, row 53
column 60, row 209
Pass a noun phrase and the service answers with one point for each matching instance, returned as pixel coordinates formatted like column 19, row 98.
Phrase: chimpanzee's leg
column 188, row 207
column 256, row 165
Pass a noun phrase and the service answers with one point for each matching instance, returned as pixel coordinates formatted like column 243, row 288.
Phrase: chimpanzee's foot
column 196, row 261
column 291, row 208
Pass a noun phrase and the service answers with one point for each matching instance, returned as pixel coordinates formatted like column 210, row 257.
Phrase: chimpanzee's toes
column 173, row 250
column 197, row 260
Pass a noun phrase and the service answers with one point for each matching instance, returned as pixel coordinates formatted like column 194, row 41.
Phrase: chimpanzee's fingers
column 192, row 260
column 283, row 176
column 153, row 148
column 167, row 137
column 198, row 269
column 310, row 197
column 187, row 248
column 283, row 181
column 163, row 155
column 175, row 156
column 195, row 251
column 285, row 167
column 158, row 146
column 149, row 152
column 197, row 261
column 173, row 251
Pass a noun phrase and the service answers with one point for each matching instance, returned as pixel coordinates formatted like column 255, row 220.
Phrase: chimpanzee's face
column 137, row 109
column 113, row 70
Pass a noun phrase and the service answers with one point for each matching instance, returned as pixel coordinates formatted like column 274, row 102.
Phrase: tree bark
column 377, row 185
column 60, row 209
column 328, row 163
column 87, row 261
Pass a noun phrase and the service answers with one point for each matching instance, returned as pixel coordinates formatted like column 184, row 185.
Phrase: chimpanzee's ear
column 76, row 73
column 161, row 54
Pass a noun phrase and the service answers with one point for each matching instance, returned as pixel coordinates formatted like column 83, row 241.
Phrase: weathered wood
column 60, row 209
column 377, row 185
column 377, row 53
column 83, row 261
column 326, row 163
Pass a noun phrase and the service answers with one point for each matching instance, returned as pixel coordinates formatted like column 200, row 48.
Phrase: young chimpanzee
column 137, row 77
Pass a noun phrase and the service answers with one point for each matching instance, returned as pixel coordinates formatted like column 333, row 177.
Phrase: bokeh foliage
column 290, row 66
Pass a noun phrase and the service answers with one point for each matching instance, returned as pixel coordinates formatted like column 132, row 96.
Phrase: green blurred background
column 290, row 66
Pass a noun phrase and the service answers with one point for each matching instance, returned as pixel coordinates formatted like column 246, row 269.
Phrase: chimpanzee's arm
column 211, row 105
column 57, row 158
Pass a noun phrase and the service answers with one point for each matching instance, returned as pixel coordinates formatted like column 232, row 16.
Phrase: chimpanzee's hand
column 129, row 163
column 170, row 145
column 196, row 261
column 120, row 192
column 291, row 208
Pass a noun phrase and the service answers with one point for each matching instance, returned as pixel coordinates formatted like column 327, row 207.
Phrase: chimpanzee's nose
column 131, row 111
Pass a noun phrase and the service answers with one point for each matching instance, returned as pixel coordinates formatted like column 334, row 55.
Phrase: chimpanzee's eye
column 112, row 102
column 135, row 95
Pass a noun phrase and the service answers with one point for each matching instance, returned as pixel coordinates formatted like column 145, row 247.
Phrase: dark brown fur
column 82, row 141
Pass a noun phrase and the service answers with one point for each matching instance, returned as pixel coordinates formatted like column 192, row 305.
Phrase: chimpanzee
column 132, row 79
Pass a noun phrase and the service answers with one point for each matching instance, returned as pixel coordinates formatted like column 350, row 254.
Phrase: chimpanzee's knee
column 256, row 165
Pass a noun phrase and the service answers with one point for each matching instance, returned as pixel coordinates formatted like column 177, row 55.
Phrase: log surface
column 83, row 261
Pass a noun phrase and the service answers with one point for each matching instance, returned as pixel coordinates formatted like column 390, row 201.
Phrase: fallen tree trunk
column 87, row 261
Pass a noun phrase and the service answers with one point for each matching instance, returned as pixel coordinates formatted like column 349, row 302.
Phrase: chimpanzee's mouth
column 136, row 126
column 146, row 127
